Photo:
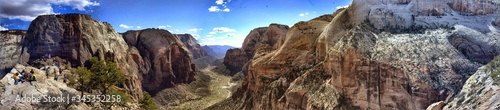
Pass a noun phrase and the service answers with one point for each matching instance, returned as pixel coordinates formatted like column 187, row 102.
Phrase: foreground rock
column 161, row 57
column 44, row 87
column 369, row 56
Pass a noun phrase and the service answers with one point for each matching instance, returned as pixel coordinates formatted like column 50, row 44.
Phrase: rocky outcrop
column 16, row 96
column 349, row 63
column 161, row 58
column 436, row 106
column 11, row 48
column 259, row 40
column 193, row 46
column 479, row 92
column 74, row 37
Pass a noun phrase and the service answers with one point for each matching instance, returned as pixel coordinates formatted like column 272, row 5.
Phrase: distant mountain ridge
column 217, row 51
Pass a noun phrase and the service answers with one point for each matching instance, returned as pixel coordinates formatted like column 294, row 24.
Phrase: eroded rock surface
column 11, row 48
column 348, row 62
column 161, row 58
column 259, row 40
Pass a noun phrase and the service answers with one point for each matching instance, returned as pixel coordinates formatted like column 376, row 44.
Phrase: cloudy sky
column 212, row 22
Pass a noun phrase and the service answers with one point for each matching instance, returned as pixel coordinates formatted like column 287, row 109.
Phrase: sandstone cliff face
column 350, row 63
column 11, row 48
column 161, row 58
column 259, row 40
column 74, row 37
column 191, row 43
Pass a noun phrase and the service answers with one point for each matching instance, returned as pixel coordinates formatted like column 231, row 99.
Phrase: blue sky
column 212, row 22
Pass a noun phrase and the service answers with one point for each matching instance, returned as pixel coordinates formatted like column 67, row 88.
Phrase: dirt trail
column 219, row 90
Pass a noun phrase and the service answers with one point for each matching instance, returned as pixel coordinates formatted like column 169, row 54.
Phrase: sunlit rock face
column 372, row 55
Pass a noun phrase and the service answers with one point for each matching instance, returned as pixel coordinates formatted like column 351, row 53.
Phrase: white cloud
column 229, row 39
column 222, row 3
column 226, row 10
column 125, row 26
column 212, row 33
column 139, row 27
column 194, row 30
column 177, row 30
column 163, row 27
column 304, row 14
column 169, row 26
column 3, row 28
column 27, row 10
column 314, row 11
column 219, row 2
column 214, row 9
column 223, row 29
column 345, row 6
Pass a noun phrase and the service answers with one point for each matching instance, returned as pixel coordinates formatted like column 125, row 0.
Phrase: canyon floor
column 219, row 87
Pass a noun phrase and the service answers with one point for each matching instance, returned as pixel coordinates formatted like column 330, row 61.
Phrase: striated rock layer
column 259, row 40
column 161, row 58
column 348, row 62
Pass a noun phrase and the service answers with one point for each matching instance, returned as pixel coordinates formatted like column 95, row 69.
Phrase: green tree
column 105, row 74
column 84, row 78
column 147, row 102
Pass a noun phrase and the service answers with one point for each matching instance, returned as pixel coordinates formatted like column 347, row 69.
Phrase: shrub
column 494, row 67
column 147, row 102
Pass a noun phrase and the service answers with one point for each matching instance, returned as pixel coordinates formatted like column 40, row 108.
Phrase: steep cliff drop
column 372, row 55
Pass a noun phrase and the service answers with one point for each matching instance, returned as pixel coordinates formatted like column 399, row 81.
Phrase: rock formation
column 352, row 62
column 193, row 46
column 74, row 37
column 11, row 48
column 262, row 40
column 479, row 92
column 161, row 58
column 42, row 88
